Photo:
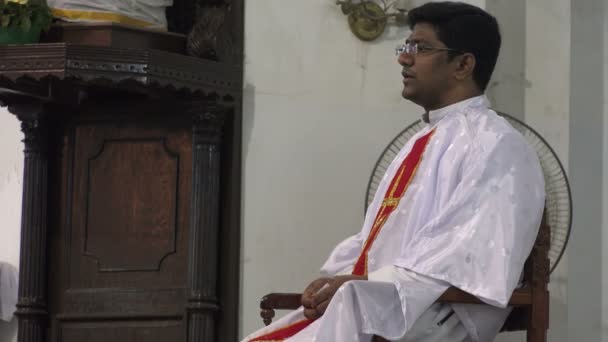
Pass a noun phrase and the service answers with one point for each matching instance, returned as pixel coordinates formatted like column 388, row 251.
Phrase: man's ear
column 465, row 64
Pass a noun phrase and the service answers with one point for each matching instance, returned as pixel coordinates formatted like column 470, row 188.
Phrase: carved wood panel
column 126, row 223
column 119, row 245
column 131, row 204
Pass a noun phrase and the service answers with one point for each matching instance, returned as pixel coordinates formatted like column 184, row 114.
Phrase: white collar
column 478, row 101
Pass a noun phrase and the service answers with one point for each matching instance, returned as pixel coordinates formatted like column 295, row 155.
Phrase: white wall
column 605, row 187
column 508, row 85
column 585, row 263
column 548, row 111
column 11, row 171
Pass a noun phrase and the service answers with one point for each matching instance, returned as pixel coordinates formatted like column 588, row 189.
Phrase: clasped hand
column 318, row 294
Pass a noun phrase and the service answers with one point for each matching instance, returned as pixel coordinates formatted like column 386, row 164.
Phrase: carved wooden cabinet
column 130, row 224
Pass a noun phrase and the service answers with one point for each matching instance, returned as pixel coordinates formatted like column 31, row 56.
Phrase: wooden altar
column 131, row 200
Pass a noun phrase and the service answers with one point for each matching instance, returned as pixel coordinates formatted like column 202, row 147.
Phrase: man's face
column 426, row 75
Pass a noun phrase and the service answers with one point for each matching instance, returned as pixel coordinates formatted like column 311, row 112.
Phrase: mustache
column 407, row 73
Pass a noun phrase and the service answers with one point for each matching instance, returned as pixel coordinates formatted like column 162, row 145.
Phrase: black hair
column 466, row 28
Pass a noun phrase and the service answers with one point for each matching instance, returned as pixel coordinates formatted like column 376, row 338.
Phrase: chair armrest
column 278, row 301
column 281, row 301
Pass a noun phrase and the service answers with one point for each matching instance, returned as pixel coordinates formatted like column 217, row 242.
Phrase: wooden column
column 203, row 258
column 32, row 304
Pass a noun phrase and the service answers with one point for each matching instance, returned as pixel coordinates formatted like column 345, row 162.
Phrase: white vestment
column 9, row 280
column 468, row 219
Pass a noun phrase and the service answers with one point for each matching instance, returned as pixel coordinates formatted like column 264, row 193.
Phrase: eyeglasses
column 416, row 48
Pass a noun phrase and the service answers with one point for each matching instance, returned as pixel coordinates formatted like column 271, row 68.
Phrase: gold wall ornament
column 367, row 19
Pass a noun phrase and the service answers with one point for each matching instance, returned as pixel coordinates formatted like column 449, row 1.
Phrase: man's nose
column 405, row 59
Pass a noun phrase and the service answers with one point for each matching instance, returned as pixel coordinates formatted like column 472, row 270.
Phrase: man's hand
column 307, row 297
column 319, row 293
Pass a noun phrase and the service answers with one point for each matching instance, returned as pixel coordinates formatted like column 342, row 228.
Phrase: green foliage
column 24, row 14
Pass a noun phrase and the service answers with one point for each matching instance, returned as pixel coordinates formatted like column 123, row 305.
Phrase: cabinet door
column 119, row 229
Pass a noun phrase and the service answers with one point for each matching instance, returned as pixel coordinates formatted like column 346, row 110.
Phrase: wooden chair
column 530, row 302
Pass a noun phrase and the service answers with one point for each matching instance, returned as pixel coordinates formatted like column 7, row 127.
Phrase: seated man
column 459, row 206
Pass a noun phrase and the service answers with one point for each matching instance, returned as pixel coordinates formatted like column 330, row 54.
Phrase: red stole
column 393, row 195
column 395, row 191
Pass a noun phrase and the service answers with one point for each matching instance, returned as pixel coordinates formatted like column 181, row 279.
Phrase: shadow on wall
column 8, row 330
column 248, row 116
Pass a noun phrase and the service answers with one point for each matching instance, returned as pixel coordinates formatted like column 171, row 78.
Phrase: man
column 459, row 206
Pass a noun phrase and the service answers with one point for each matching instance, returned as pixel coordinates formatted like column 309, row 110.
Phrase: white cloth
column 481, row 322
column 438, row 323
column 151, row 13
column 431, row 327
column 8, row 291
column 469, row 219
